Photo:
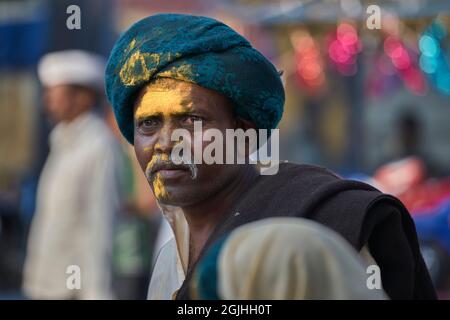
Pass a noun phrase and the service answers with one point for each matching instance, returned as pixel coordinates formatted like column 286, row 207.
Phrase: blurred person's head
column 65, row 102
column 72, row 81
column 282, row 258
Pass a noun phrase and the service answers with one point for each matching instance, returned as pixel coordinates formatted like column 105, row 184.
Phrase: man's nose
column 164, row 144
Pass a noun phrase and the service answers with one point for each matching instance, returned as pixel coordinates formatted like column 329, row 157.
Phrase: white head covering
column 290, row 258
column 72, row 67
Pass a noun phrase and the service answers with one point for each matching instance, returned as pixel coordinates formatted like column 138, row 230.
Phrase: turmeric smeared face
column 163, row 106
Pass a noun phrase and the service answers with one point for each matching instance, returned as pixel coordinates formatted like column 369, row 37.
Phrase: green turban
column 195, row 49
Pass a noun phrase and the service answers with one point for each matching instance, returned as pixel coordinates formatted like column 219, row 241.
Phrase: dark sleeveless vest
column 360, row 213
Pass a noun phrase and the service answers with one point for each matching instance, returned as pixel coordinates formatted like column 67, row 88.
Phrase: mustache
column 163, row 162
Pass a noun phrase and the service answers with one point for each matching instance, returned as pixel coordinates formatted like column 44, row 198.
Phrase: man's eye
column 148, row 124
column 191, row 119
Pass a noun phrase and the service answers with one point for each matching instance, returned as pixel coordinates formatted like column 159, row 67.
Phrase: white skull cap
column 75, row 67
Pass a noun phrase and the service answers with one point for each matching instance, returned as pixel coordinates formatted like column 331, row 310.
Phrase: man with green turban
column 170, row 71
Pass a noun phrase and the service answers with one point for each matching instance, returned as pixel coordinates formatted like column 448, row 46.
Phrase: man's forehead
column 167, row 102
column 175, row 97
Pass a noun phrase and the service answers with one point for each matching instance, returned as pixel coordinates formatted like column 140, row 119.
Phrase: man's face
column 158, row 111
column 58, row 102
column 66, row 102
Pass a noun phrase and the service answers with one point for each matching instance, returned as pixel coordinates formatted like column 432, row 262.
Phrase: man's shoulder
column 300, row 170
column 99, row 139
column 291, row 174
column 310, row 192
column 97, row 130
column 310, row 181
column 305, row 191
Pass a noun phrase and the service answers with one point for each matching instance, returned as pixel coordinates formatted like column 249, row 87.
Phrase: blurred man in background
column 79, row 188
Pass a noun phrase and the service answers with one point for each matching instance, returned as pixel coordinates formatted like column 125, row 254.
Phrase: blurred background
column 367, row 87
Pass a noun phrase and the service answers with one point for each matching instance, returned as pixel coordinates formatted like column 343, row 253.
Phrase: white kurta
column 170, row 268
column 78, row 195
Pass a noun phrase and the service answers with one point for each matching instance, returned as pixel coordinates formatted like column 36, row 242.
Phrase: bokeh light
column 343, row 47
column 433, row 60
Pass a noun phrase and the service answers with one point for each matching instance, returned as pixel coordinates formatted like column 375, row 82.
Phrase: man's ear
column 246, row 125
